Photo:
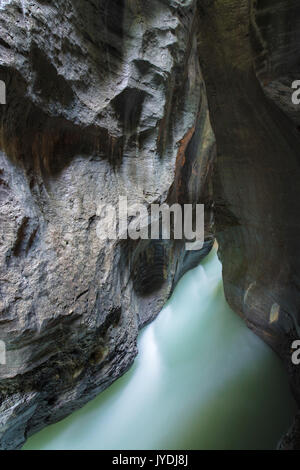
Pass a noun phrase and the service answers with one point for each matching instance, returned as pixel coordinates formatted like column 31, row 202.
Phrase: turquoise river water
column 202, row 380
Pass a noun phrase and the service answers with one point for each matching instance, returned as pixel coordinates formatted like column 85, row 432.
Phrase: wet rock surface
column 253, row 54
column 104, row 99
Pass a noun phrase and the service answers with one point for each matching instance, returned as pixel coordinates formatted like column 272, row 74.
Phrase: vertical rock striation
column 104, row 98
column 249, row 50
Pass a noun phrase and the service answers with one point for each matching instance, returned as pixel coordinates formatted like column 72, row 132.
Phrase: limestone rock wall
column 254, row 50
column 104, row 98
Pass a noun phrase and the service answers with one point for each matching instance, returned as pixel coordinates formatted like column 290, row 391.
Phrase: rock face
column 105, row 98
column 252, row 59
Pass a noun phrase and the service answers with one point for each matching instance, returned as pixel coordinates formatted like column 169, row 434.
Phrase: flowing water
column 202, row 380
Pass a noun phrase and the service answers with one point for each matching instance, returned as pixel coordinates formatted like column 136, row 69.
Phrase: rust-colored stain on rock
column 180, row 163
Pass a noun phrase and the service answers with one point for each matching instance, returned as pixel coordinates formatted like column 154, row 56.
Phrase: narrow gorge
column 161, row 101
